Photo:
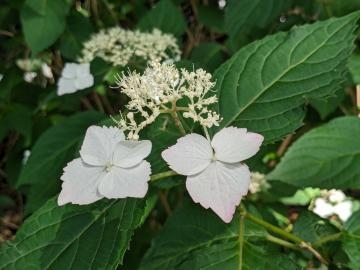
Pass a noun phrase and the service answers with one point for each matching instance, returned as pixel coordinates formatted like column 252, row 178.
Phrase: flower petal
column 220, row 187
column 66, row 86
column 99, row 144
column 80, row 183
column 233, row 144
column 70, row 70
column 122, row 183
column 130, row 153
column 82, row 69
column 84, row 81
column 190, row 155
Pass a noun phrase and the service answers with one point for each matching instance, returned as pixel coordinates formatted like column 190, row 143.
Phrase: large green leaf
column 43, row 21
column 265, row 85
column 194, row 238
column 351, row 241
column 50, row 154
column 325, row 157
column 74, row 237
column 164, row 16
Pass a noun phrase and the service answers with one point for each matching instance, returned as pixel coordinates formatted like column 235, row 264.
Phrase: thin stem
column 162, row 175
column 273, row 228
column 164, row 202
column 241, row 238
column 107, row 104
column 328, row 238
column 281, row 242
column 98, row 102
column 176, row 118
column 86, row 103
column 206, row 133
column 297, row 240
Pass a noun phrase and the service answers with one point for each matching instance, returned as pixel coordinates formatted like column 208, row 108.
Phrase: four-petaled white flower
column 74, row 77
column 215, row 177
column 109, row 166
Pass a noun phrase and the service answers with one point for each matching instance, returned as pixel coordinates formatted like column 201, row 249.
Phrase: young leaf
column 265, row 85
column 43, row 22
column 50, row 154
column 203, row 241
column 326, row 157
column 95, row 236
column 166, row 17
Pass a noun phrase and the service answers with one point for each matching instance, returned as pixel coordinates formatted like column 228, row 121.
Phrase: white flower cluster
column 258, row 183
column 118, row 46
column 333, row 202
column 161, row 86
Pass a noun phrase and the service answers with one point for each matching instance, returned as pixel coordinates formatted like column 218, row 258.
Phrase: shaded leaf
column 164, row 16
column 325, row 157
column 43, row 22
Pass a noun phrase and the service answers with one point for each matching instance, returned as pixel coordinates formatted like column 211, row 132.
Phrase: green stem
column 328, row 238
column 297, row 240
column 281, row 242
column 162, row 175
column 277, row 230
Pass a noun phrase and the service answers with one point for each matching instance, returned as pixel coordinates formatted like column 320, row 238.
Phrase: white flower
column 215, row 177
column 119, row 46
column 29, row 76
column 336, row 196
column 159, row 89
column 323, row 208
column 343, row 210
column 257, row 182
column 109, row 166
column 74, row 77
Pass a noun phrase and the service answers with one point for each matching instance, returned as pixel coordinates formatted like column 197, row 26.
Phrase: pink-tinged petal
column 99, row 144
column 123, row 183
column 66, row 86
column 84, row 81
column 220, row 187
column 80, row 183
column 70, row 70
column 190, row 155
column 131, row 153
column 233, row 144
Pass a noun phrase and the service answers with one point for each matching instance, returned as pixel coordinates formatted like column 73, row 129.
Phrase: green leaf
column 208, row 55
column 77, row 31
column 265, row 85
column 211, row 17
column 327, row 106
column 351, row 241
column 243, row 17
column 325, row 157
column 50, row 154
column 194, row 238
column 311, row 227
column 43, row 21
column 165, row 16
column 94, row 236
